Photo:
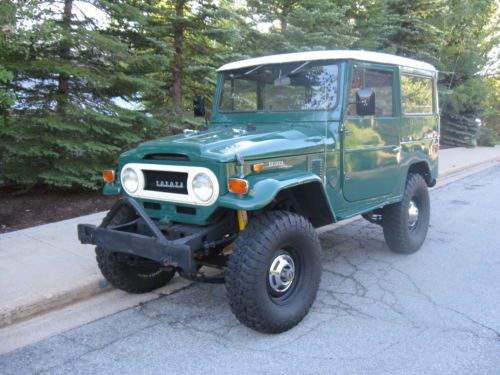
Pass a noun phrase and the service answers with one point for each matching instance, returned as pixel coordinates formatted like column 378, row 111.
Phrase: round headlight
column 130, row 180
column 203, row 187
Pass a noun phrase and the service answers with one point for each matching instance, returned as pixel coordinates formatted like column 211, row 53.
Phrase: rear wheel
column 274, row 272
column 132, row 274
column 406, row 223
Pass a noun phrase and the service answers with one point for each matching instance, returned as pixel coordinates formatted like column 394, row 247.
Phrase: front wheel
column 274, row 272
column 132, row 274
column 405, row 223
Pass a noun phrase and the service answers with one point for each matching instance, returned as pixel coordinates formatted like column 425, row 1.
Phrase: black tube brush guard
column 128, row 229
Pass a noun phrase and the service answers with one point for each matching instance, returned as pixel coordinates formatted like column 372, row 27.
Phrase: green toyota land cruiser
column 295, row 142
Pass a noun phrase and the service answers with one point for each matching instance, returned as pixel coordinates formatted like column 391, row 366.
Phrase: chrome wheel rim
column 412, row 215
column 281, row 272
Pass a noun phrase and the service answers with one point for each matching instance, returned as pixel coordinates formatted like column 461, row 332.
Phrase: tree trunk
column 284, row 17
column 284, row 22
column 63, row 84
column 286, row 8
column 177, row 63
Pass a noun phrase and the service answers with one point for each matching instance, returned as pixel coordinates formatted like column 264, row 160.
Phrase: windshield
column 303, row 86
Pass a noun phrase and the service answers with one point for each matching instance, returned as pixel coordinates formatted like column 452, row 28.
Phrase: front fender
column 265, row 187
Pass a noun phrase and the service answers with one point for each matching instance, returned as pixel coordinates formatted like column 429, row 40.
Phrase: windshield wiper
column 253, row 70
column 298, row 68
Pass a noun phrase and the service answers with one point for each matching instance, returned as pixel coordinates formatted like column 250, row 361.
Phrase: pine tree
column 320, row 24
column 491, row 119
column 180, row 45
column 66, row 124
column 414, row 31
column 301, row 25
column 462, row 56
column 7, row 20
column 75, row 91
column 373, row 23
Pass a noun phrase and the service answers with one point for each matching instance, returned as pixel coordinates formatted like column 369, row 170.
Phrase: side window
column 356, row 84
column 416, row 94
column 381, row 82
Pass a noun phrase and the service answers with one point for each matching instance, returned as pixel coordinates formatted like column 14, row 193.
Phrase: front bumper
column 128, row 229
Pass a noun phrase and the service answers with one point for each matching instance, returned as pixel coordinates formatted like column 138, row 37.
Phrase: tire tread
column 395, row 223
column 249, row 254
column 113, row 272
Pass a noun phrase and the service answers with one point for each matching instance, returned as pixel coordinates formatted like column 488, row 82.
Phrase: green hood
column 223, row 143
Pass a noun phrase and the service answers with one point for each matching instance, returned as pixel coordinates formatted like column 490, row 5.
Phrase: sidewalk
column 454, row 160
column 45, row 267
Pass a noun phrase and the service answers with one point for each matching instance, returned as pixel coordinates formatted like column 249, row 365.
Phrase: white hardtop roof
column 376, row 57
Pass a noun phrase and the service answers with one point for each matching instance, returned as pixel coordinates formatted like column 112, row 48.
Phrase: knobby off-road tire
column 261, row 299
column 131, row 277
column 402, row 233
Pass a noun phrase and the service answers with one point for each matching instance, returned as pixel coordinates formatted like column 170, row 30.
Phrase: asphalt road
column 434, row 312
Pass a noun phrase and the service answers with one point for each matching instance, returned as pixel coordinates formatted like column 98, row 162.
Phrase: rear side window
column 380, row 81
column 416, row 95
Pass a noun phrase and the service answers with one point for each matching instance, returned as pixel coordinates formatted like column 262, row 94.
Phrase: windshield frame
column 299, row 65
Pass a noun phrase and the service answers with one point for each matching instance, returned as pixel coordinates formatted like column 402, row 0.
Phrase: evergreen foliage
column 7, row 19
column 491, row 121
column 301, row 25
column 414, row 31
column 463, row 91
column 374, row 23
column 76, row 90
column 66, row 125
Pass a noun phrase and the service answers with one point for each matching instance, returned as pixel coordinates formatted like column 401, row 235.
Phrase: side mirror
column 365, row 102
column 199, row 106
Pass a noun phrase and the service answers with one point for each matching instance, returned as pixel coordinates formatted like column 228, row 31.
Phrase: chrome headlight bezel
column 202, row 187
column 129, row 180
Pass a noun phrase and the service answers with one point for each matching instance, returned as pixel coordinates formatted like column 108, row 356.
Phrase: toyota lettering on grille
column 166, row 181
column 169, row 184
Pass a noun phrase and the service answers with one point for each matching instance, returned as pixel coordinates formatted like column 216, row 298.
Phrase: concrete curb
column 469, row 166
column 57, row 321
column 33, row 305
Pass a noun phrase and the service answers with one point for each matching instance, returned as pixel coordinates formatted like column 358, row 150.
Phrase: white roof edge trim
column 376, row 57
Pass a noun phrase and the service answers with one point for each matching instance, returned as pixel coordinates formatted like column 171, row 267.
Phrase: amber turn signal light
column 108, row 175
column 237, row 185
column 258, row 167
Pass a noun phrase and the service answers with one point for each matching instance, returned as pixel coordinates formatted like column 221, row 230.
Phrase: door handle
column 346, row 131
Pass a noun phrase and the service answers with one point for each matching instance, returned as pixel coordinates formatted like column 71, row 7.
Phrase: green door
column 371, row 143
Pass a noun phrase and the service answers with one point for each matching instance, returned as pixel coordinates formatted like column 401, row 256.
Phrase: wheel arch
column 308, row 200
column 422, row 168
column 300, row 192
